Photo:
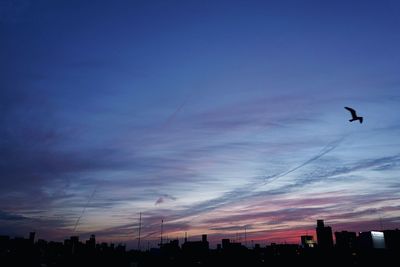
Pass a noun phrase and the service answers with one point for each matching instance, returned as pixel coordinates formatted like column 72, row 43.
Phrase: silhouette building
column 392, row 239
column 307, row 241
column 74, row 242
column 225, row 243
column 346, row 240
column 324, row 235
column 372, row 247
column 371, row 239
column 232, row 246
column 91, row 243
column 171, row 248
column 196, row 246
column 32, row 238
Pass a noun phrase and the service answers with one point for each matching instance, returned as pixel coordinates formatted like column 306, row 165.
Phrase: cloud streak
column 328, row 148
column 6, row 216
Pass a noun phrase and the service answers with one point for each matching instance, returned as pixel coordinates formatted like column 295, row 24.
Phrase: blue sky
column 212, row 115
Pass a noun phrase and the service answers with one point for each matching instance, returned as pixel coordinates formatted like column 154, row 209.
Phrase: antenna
column 162, row 223
column 245, row 236
column 140, row 226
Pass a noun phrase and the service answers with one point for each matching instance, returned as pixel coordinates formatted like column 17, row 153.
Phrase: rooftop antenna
column 140, row 226
column 245, row 236
column 161, row 237
column 380, row 223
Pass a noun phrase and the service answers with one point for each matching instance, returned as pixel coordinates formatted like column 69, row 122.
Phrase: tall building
column 324, row 235
column 74, row 243
column 91, row 243
column 225, row 243
column 32, row 237
column 346, row 240
column 371, row 239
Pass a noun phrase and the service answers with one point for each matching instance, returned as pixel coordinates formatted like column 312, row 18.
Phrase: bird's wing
column 352, row 111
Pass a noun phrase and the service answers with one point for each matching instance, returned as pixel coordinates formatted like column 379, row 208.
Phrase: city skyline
column 349, row 249
column 215, row 117
column 324, row 239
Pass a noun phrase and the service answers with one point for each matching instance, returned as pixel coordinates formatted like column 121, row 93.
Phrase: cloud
column 299, row 210
column 279, row 216
column 163, row 198
column 159, row 201
column 328, row 148
column 248, row 190
column 14, row 224
column 56, row 163
column 150, row 229
column 7, row 216
column 390, row 162
column 232, row 228
column 375, row 212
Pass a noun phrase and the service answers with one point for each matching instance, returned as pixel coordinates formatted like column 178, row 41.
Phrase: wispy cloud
column 328, row 148
column 163, row 198
column 11, row 216
column 216, row 163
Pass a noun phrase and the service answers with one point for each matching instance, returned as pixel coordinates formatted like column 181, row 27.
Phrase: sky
column 217, row 117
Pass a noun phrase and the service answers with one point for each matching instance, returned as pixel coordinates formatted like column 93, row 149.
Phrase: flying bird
column 354, row 115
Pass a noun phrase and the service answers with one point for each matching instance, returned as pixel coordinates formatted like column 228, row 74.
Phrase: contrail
column 84, row 208
column 163, row 125
column 328, row 148
column 173, row 115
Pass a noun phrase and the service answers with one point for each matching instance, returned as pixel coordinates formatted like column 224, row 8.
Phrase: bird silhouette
column 354, row 115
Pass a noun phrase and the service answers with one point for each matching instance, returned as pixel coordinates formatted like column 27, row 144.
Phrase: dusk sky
column 214, row 116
